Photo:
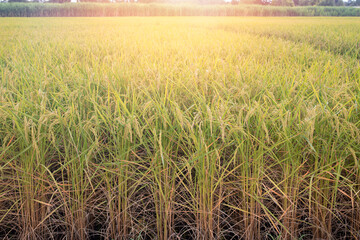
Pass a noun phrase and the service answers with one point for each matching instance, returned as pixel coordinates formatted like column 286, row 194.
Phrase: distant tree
column 326, row 3
column 351, row 3
column 282, row 3
column 17, row 0
column 259, row 2
column 307, row 2
column 59, row 1
column 339, row 3
column 98, row 1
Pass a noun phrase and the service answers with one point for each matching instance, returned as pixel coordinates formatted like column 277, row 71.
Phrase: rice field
column 179, row 128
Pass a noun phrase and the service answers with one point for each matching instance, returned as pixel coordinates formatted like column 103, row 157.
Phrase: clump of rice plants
column 179, row 128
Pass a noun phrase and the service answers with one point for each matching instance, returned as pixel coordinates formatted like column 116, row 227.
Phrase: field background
column 168, row 9
column 191, row 128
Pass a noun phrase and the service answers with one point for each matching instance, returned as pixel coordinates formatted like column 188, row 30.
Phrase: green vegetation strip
column 158, row 9
column 189, row 128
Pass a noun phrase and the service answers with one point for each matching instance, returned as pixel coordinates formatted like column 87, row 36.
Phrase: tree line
column 205, row 2
column 157, row 9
